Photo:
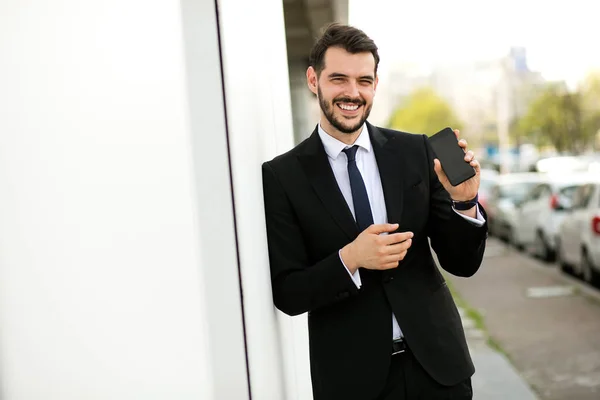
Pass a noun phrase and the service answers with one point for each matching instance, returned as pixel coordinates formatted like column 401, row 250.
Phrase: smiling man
column 349, row 215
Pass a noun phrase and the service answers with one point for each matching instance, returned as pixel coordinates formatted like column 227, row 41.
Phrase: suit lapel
column 391, row 166
column 316, row 166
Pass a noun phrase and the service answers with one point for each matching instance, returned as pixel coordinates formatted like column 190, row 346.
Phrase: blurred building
column 304, row 20
column 481, row 93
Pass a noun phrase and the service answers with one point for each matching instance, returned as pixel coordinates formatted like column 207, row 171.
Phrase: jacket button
column 388, row 279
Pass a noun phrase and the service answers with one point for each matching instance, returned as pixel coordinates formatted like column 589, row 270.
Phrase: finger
column 390, row 265
column 396, row 257
column 381, row 228
column 437, row 167
column 396, row 238
column 398, row 247
column 475, row 164
column 469, row 156
column 463, row 143
column 457, row 133
column 390, row 259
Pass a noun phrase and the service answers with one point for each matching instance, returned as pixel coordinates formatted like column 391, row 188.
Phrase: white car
column 541, row 212
column 578, row 246
column 487, row 179
column 506, row 191
column 561, row 164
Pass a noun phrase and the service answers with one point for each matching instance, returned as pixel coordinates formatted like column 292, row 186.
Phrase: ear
column 376, row 83
column 311, row 79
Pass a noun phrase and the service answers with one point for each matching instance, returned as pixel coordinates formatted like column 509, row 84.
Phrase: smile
column 348, row 107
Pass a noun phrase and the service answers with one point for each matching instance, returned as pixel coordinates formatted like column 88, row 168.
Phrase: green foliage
column 424, row 112
column 591, row 105
column 567, row 120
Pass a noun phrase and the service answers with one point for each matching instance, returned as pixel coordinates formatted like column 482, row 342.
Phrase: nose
column 352, row 90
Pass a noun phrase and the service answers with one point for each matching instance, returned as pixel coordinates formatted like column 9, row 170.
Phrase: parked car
column 578, row 243
column 562, row 164
column 506, row 191
column 487, row 179
column 542, row 210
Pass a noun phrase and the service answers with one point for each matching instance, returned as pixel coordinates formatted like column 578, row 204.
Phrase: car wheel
column 560, row 260
column 513, row 239
column 587, row 269
column 541, row 248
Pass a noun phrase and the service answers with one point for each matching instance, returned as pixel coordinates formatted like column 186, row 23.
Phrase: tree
column 556, row 117
column 424, row 112
column 590, row 92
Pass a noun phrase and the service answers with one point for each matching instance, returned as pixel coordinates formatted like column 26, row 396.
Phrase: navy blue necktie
column 362, row 208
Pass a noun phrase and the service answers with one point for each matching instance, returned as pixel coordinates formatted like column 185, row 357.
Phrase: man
column 349, row 212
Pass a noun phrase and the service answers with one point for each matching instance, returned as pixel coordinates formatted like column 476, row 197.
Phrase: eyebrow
column 338, row 75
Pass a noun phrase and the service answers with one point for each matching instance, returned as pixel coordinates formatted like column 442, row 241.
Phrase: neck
column 347, row 138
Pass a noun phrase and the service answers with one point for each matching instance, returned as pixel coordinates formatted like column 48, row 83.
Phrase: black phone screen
column 451, row 156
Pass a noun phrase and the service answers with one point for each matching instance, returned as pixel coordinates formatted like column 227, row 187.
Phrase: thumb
column 381, row 228
column 437, row 167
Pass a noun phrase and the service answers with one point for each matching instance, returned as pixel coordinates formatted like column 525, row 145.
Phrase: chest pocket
column 416, row 188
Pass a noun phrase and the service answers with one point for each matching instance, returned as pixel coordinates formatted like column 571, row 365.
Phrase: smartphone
column 452, row 156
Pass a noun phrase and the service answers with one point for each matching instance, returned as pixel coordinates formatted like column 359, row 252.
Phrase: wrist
column 348, row 259
column 465, row 205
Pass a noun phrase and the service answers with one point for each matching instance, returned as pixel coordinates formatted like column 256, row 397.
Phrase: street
column 545, row 322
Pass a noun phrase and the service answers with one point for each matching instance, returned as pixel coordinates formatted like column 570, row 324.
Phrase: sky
column 561, row 37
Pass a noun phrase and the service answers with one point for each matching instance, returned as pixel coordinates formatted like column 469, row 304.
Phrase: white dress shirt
column 367, row 165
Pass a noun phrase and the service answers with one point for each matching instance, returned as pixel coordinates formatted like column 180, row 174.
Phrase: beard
column 339, row 123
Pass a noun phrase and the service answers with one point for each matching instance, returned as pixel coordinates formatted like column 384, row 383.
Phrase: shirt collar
column 334, row 147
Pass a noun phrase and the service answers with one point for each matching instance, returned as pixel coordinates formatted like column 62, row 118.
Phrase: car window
column 533, row 194
column 582, row 196
column 577, row 197
column 566, row 194
column 568, row 191
column 538, row 192
column 587, row 195
column 515, row 191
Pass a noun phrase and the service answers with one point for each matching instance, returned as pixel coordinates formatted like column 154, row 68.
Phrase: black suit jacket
column 350, row 329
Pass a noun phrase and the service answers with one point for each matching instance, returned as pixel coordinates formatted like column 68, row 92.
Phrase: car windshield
column 516, row 191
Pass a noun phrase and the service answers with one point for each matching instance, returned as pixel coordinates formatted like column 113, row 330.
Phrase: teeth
column 348, row 107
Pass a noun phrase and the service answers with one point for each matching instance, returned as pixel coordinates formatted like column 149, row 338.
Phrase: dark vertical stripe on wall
column 237, row 247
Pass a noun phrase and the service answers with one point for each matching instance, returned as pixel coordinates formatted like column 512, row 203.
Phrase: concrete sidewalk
column 547, row 323
column 495, row 378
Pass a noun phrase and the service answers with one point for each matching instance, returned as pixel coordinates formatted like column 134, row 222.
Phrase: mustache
column 359, row 102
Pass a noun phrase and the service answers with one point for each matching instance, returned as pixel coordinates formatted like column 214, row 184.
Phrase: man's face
column 345, row 89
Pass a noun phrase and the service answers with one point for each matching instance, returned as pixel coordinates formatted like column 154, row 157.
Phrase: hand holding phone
column 452, row 156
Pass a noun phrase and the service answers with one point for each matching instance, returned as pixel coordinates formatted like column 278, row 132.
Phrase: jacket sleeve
column 298, row 285
column 458, row 243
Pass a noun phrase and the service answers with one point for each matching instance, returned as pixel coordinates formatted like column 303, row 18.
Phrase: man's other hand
column 372, row 250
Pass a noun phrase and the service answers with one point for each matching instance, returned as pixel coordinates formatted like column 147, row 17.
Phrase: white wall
column 260, row 127
column 112, row 242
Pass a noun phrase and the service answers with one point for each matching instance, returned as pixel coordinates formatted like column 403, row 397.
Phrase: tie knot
column 351, row 153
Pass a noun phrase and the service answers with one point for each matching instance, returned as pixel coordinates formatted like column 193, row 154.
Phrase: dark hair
column 349, row 38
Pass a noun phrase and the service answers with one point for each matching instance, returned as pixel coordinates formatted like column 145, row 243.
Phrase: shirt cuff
column 479, row 221
column 355, row 277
